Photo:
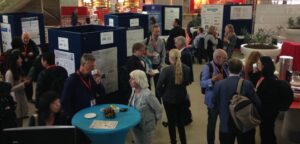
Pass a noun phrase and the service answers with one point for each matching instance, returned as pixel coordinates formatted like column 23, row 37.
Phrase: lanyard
column 26, row 48
column 87, row 85
column 259, row 82
column 51, row 66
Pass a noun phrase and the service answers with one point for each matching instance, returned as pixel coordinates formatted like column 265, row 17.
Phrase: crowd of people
column 170, row 64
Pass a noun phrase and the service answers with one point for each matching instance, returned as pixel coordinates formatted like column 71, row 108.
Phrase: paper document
column 99, row 124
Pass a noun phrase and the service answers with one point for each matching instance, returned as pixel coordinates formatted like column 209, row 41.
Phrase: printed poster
column 133, row 36
column 106, row 62
column 170, row 15
column 31, row 25
column 212, row 15
column 241, row 12
column 6, row 36
column 66, row 60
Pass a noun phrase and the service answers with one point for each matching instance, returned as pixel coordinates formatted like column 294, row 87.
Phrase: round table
column 126, row 120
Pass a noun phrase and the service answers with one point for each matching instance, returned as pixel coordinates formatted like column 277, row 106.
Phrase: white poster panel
column 275, row 16
column 170, row 15
column 66, row 60
column 106, row 62
column 31, row 25
column 63, row 43
column 106, row 38
column 5, row 19
column 212, row 15
column 111, row 22
column 133, row 36
column 241, row 12
column 6, row 36
column 134, row 22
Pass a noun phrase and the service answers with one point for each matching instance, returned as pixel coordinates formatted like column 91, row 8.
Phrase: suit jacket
column 222, row 94
column 175, row 32
column 134, row 63
column 167, row 88
column 186, row 58
column 149, row 107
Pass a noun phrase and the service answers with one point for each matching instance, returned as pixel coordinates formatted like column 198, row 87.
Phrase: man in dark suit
column 135, row 61
column 52, row 78
column 222, row 94
column 175, row 32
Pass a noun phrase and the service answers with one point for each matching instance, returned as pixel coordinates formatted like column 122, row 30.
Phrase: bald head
column 25, row 37
column 220, row 56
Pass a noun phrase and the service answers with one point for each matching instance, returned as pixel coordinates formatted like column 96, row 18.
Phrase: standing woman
column 15, row 76
column 171, row 86
column 211, row 42
column 229, row 39
column 147, row 104
column 269, row 94
column 250, row 67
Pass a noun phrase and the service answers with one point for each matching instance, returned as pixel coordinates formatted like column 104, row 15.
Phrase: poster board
column 170, row 14
column 274, row 16
column 241, row 12
column 212, row 15
column 31, row 25
column 133, row 36
column 6, row 36
column 106, row 62
column 65, row 60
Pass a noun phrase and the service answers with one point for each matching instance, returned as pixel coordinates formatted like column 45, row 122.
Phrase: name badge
column 93, row 102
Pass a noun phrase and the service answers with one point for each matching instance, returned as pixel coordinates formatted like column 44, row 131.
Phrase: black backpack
column 285, row 95
column 211, row 70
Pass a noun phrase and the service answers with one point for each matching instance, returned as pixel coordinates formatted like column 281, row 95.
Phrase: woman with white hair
column 171, row 86
column 147, row 104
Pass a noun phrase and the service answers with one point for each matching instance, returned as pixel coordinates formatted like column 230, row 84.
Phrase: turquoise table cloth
column 126, row 120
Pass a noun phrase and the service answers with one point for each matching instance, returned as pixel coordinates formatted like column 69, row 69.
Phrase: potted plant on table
column 293, row 30
column 262, row 41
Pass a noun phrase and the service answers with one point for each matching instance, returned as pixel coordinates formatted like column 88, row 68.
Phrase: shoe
column 188, row 122
column 165, row 124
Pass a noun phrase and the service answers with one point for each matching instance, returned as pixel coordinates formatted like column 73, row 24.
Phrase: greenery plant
column 262, row 39
column 294, row 23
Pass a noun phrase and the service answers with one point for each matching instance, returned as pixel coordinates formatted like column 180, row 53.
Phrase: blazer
column 175, row 32
column 167, row 88
column 222, row 94
column 149, row 107
column 186, row 58
column 134, row 63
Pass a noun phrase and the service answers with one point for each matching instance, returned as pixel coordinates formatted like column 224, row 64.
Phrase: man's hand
column 217, row 77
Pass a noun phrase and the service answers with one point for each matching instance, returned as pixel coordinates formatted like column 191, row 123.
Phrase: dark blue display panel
column 159, row 12
column 21, row 22
column 127, row 20
column 93, row 39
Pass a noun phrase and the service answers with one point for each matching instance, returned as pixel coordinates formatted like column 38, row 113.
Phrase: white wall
column 272, row 16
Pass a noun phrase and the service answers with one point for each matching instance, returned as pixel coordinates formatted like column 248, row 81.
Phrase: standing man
column 52, row 78
column 156, row 52
column 82, row 89
column 74, row 17
column 175, row 32
column 222, row 94
column 29, row 53
column 213, row 72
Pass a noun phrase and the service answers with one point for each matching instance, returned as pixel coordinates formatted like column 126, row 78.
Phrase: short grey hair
column 181, row 40
column 219, row 52
column 86, row 57
column 140, row 78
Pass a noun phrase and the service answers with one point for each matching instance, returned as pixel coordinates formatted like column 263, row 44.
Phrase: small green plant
column 298, row 20
column 262, row 39
column 291, row 22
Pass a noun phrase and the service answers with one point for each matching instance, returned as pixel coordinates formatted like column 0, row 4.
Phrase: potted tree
column 293, row 30
column 262, row 41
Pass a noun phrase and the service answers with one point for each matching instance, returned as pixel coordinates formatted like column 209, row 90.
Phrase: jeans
column 211, row 125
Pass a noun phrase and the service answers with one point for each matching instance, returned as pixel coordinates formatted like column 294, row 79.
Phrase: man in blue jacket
column 83, row 88
column 222, row 94
column 209, row 78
